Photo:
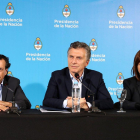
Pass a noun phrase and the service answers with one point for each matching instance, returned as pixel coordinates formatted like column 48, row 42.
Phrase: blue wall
column 111, row 27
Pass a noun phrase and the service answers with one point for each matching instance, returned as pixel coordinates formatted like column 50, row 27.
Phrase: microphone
column 78, row 77
column 89, row 81
column 13, row 109
column 94, row 108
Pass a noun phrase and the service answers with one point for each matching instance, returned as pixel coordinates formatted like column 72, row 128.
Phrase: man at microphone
column 9, row 87
column 59, row 91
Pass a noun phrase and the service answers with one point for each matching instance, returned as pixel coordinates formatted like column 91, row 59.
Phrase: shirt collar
column 1, row 83
column 81, row 78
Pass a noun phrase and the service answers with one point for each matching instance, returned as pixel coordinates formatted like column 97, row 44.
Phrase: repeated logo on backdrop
column 66, row 11
column 65, row 26
column 119, row 78
column 37, row 107
column 9, row 73
column 38, row 44
column 10, row 9
column 121, row 24
column 93, row 45
column 120, row 12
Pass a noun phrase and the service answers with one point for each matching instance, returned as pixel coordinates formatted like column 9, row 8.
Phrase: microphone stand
column 94, row 108
column 13, row 109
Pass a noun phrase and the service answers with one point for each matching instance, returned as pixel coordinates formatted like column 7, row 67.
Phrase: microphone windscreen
column 77, row 75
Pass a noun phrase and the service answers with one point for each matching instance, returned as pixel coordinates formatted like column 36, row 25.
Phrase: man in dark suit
column 58, row 94
column 10, row 86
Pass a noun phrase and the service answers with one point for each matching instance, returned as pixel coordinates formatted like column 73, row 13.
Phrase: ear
column 6, row 71
column 87, row 62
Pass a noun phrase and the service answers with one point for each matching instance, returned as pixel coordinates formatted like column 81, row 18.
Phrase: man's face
column 3, row 71
column 77, row 60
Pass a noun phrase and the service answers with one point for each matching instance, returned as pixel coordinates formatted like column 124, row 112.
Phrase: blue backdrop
column 35, row 35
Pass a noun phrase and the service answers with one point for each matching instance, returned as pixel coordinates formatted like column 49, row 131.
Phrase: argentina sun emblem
column 10, row 73
column 119, row 78
column 38, row 44
column 66, row 11
column 10, row 9
column 93, row 45
column 120, row 12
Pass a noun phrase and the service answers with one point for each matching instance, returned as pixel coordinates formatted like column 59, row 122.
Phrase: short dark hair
column 6, row 61
column 134, row 70
column 83, row 45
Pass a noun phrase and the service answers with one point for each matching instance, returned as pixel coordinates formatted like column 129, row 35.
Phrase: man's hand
column 4, row 105
column 3, row 108
column 83, row 103
column 69, row 102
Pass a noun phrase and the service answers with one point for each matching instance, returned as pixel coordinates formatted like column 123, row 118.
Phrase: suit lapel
column 4, row 89
column 4, row 93
column 84, row 90
column 68, row 82
column 138, row 86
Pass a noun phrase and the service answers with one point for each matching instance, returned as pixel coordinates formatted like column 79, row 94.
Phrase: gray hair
column 83, row 45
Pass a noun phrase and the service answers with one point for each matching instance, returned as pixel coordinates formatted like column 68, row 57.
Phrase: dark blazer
column 132, row 85
column 60, row 86
column 11, row 86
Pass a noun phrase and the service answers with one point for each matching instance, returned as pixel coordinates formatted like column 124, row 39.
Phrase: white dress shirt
column 1, row 85
column 80, row 86
column 1, row 90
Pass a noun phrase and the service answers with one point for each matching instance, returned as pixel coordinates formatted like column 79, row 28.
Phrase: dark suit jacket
column 60, row 86
column 11, row 86
column 132, row 85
